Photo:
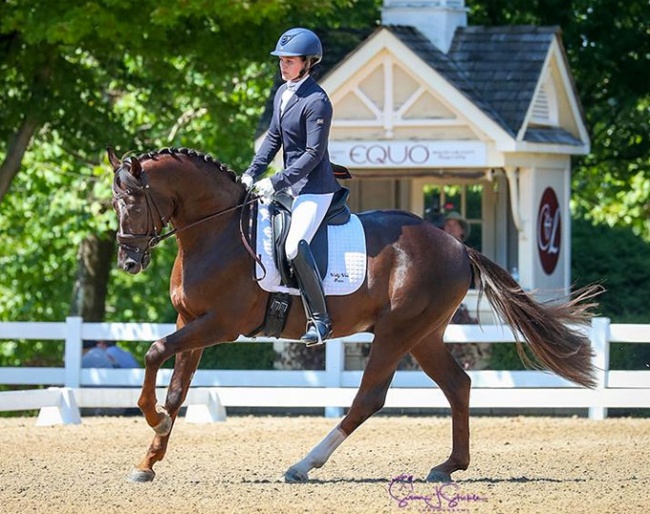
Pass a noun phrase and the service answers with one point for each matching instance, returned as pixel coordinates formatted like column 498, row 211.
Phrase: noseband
column 129, row 242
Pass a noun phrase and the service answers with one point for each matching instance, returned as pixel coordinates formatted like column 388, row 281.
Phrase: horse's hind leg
column 385, row 355
column 442, row 368
column 184, row 368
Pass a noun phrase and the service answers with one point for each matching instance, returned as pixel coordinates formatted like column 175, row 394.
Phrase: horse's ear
column 136, row 167
column 112, row 158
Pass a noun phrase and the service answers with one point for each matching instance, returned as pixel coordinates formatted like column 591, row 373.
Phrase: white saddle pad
column 346, row 268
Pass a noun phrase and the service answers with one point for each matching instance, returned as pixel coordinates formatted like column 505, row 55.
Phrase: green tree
column 77, row 76
column 65, row 65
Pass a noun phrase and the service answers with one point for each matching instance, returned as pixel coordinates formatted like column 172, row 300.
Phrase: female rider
column 302, row 115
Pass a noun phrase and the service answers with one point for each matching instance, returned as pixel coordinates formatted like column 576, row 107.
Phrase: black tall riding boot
column 319, row 326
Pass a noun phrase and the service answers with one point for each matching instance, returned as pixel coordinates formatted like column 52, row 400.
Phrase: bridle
column 130, row 242
column 152, row 237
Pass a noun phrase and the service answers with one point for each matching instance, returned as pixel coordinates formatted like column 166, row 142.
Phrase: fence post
column 73, row 348
column 334, row 364
column 600, row 342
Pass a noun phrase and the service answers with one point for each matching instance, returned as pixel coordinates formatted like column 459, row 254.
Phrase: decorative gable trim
column 555, row 104
column 388, row 95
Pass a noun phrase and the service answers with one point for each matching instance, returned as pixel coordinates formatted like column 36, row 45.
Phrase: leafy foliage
column 239, row 356
column 136, row 76
column 600, row 254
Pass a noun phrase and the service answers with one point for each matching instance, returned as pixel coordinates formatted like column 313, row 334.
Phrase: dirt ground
column 519, row 465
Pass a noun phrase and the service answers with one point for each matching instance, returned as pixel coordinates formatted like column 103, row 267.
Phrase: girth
column 280, row 209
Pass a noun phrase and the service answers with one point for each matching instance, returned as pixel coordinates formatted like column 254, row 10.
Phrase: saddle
column 280, row 210
column 280, row 220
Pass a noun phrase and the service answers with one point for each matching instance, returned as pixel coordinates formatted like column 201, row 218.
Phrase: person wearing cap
column 94, row 355
column 456, row 226
column 302, row 116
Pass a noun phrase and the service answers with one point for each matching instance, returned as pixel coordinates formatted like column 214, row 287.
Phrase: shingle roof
column 550, row 135
column 504, row 65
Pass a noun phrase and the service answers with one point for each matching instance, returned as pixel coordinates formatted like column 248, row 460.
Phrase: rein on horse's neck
column 244, row 200
column 177, row 230
column 190, row 155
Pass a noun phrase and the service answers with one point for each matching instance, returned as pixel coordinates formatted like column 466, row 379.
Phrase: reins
column 158, row 238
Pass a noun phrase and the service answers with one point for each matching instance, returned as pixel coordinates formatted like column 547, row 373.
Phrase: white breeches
column 307, row 213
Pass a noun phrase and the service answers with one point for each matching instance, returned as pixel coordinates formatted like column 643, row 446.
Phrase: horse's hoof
column 295, row 476
column 438, row 476
column 165, row 426
column 141, row 476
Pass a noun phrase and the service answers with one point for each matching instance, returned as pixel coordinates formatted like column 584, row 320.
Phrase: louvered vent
column 540, row 108
column 545, row 109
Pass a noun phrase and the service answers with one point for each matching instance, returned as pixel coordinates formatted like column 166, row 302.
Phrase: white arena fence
column 333, row 389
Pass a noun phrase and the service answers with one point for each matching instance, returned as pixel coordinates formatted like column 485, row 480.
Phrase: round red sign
column 549, row 230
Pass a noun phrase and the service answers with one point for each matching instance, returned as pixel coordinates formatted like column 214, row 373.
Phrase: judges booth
column 430, row 114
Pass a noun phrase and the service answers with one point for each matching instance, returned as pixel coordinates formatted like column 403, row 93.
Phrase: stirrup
column 317, row 332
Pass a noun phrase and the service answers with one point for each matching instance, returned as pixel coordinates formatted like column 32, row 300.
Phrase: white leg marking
column 321, row 452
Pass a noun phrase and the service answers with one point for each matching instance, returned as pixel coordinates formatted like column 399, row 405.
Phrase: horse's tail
column 554, row 343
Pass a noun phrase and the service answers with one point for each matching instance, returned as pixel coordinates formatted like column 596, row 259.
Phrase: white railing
column 332, row 388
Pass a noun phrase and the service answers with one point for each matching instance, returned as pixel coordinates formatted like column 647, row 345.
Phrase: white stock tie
column 288, row 93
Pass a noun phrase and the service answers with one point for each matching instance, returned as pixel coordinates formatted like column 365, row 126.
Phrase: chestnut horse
column 417, row 276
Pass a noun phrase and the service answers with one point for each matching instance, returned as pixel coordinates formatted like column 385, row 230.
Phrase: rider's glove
column 264, row 188
column 247, row 180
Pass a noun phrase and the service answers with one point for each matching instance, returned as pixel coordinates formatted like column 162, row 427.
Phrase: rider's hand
column 264, row 188
column 247, row 180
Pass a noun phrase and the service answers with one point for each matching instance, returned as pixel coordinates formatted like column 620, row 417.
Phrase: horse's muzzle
column 131, row 265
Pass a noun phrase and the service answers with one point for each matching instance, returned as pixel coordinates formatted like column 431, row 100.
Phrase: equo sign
column 549, row 231
column 380, row 155
column 408, row 154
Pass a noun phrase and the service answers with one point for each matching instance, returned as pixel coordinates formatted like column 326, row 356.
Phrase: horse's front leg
column 194, row 335
column 155, row 415
column 184, row 368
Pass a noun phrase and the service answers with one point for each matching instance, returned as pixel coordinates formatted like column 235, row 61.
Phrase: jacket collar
column 303, row 86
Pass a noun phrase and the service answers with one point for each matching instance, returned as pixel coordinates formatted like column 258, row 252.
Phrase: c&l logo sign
column 549, row 231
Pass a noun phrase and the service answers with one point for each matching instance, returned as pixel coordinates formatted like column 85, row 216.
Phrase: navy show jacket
column 302, row 131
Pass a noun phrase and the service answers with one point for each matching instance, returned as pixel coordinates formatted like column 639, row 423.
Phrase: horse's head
column 139, row 217
column 148, row 192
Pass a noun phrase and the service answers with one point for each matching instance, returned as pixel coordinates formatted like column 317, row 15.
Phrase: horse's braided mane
column 188, row 152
